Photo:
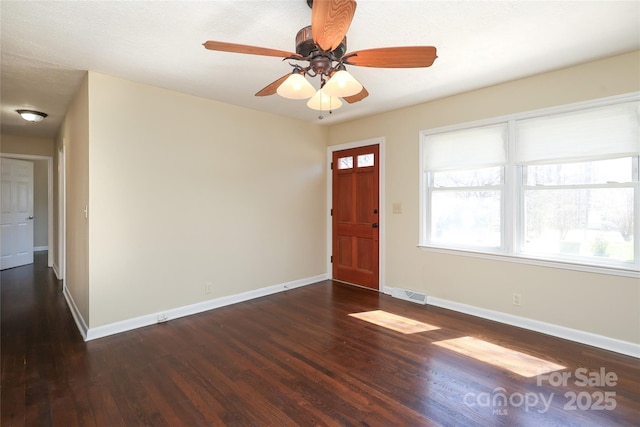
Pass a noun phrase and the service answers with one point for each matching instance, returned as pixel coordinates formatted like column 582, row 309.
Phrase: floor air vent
column 407, row 295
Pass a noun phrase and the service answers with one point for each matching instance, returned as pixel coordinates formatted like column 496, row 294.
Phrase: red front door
column 356, row 216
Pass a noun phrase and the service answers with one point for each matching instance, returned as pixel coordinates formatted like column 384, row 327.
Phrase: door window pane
column 345, row 163
column 365, row 160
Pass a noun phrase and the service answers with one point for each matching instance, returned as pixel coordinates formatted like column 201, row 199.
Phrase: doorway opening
column 48, row 221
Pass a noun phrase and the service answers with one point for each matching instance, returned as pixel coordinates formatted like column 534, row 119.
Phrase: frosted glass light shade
column 342, row 84
column 323, row 102
column 296, row 87
column 32, row 115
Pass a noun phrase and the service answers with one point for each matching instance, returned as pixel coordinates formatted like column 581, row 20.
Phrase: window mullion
column 511, row 205
column 427, row 203
column 579, row 186
column 470, row 188
column 636, row 207
column 636, row 210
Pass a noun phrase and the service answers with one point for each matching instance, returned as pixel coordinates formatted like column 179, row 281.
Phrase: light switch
column 396, row 208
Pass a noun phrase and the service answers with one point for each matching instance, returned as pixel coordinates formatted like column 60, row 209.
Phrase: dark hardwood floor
column 293, row 359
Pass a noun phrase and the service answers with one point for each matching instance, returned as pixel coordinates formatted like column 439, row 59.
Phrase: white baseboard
column 40, row 248
column 56, row 271
column 600, row 341
column 80, row 323
column 174, row 313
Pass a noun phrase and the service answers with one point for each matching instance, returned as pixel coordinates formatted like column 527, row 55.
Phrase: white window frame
column 513, row 200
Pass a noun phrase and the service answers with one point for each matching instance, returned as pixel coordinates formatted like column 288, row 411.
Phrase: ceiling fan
column 323, row 45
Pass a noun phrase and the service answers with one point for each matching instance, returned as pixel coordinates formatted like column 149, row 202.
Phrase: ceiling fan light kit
column 342, row 84
column 323, row 45
column 296, row 86
column 322, row 101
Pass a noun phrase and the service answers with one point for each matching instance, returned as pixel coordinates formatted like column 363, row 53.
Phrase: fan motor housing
column 305, row 44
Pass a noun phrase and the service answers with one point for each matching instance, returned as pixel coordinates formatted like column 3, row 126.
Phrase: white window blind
column 465, row 149
column 603, row 132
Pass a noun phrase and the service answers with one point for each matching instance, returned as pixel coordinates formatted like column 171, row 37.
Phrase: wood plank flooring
column 293, row 359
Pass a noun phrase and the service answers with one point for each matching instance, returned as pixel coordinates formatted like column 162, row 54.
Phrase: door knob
column 31, row 217
column 374, row 225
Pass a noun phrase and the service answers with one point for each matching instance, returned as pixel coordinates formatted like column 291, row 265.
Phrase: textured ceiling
column 47, row 46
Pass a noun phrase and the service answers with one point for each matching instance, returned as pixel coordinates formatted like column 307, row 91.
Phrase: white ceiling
column 48, row 45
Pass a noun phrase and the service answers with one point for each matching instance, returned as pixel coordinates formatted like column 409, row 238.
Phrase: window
column 465, row 187
column 559, row 187
column 582, row 209
column 466, row 207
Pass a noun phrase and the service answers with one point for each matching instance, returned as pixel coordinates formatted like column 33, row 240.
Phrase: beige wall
column 186, row 190
column 31, row 146
column 601, row 304
column 74, row 138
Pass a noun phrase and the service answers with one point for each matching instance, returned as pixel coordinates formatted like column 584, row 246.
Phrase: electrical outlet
column 208, row 288
column 396, row 208
column 163, row 317
column 517, row 299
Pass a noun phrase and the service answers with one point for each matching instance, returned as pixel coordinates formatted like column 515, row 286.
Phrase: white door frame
column 49, row 160
column 62, row 216
column 380, row 141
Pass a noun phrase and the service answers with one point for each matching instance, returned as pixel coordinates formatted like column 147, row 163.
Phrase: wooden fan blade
column 243, row 48
column 357, row 97
column 271, row 88
column 330, row 21
column 394, row 57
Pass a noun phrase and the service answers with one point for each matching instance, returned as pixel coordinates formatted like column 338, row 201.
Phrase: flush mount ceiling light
column 322, row 49
column 32, row 115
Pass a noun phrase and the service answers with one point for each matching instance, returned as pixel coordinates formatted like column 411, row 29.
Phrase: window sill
column 565, row 265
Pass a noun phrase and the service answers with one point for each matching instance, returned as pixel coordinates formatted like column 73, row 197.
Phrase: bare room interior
column 203, row 225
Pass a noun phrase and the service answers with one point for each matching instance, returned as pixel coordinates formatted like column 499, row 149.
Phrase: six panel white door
column 16, row 213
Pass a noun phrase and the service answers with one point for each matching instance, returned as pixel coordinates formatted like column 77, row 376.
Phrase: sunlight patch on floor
column 501, row 357
column 394, row 322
